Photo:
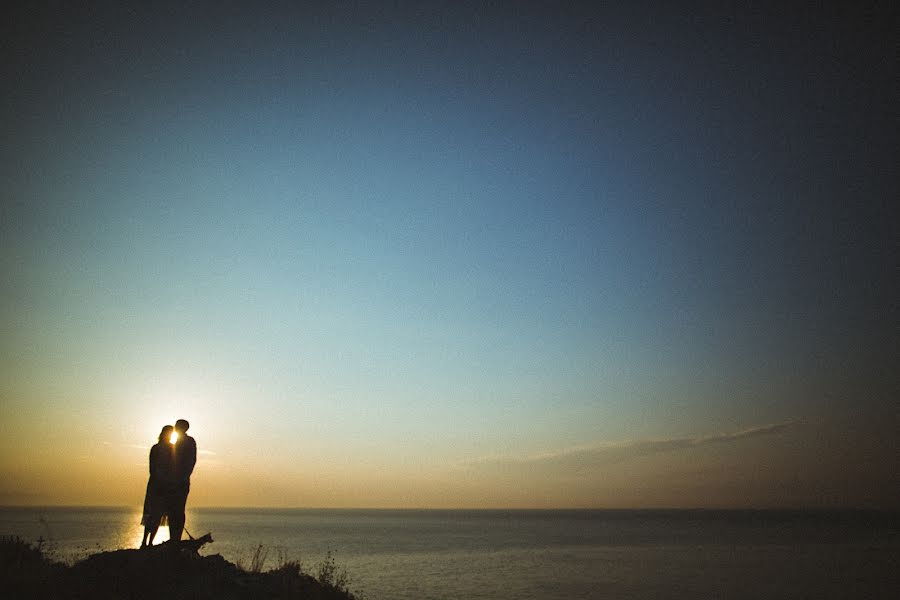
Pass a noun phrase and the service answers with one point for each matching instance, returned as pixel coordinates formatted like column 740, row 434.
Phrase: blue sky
column 420, row 239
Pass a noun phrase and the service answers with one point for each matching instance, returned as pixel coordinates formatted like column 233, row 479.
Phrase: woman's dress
column 157, row 486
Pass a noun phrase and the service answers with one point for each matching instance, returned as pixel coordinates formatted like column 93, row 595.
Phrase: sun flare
column 173, row 437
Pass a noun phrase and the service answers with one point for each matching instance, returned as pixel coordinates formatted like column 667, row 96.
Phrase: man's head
column 181, row 425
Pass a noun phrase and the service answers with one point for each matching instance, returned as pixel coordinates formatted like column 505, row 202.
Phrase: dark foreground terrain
column 160, row 573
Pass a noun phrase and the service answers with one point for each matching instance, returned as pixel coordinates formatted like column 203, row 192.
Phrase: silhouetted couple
column 172, row 461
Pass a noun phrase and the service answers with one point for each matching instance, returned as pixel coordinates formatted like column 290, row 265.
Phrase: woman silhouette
column 157, row 486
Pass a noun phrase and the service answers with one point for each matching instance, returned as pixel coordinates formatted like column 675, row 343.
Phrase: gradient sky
column 457, row 255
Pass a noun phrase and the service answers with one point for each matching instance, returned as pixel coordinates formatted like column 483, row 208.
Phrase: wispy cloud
column 613, row 452
column 136, row 446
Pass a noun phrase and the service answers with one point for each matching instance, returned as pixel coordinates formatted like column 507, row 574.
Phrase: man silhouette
column 185, row 457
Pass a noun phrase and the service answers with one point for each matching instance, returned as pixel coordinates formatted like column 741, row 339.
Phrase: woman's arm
column 153, row 461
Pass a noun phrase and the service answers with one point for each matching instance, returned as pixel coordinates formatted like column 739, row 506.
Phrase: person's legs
column 147, row 516
column 153, row 531
column 176, row 513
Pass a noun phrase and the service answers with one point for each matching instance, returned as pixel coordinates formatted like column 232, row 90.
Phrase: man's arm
column 191, row 457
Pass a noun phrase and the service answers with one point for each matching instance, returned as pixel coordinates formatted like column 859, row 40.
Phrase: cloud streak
column 614, row 452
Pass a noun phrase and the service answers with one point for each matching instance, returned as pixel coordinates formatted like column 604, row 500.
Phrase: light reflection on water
column 132, row 532
column 71, row 534
column 135, row 534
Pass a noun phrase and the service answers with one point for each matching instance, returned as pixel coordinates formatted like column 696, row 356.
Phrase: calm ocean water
column 530, row 555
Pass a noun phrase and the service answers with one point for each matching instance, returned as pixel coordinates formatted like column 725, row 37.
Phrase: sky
column 487, row 255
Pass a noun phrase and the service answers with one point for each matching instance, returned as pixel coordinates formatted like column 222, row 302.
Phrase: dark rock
column 160, row 575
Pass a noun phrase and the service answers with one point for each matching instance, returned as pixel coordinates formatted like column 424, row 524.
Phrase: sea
column 525, row 554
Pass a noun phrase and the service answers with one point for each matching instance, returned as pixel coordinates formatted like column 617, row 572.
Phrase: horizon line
column 478, row 509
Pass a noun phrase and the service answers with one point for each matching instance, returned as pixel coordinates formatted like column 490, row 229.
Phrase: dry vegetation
column 174, row 575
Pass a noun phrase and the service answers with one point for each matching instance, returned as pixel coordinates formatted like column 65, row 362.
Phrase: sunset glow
column 481, row 256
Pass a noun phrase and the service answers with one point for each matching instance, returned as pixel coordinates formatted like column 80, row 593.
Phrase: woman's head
column 166, row 433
